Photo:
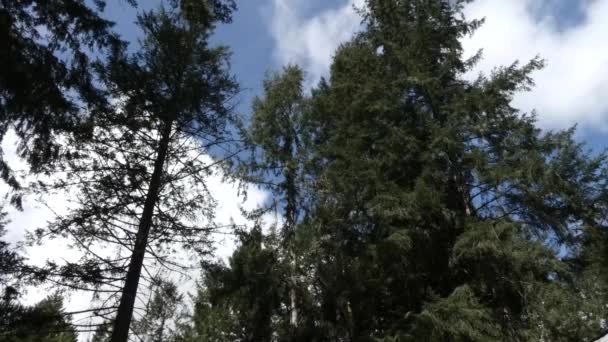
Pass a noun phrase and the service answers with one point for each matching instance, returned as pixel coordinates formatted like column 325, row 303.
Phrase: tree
column 438, row 211
column 47, row 82
column 139, row 179
column 243, row 301
column 440, row 208
column 159, row 320
column 101, row 334
column 276, row 163
column 11, row 263
column 43, row 322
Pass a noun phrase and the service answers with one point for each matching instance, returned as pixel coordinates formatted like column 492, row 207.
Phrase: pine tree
column 101, row 334
column 43, row 322
column 159, row 321
column 138, row 180
column 11, row 263
column 47, row 78
column 439, row 213
column 276, row 136
column 442, row 209
column 243, row 301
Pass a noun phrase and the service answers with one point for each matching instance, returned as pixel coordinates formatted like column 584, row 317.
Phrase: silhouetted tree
column 47, row 79
column 139, row 180
column 439, row 212
column 43, row 322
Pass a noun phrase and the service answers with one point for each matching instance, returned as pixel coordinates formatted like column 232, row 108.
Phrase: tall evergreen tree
column 243, row 301
column 276, row 163
column 139, row 179
column 47, row 82
column 441, row 208
column 11, row 263
column 159, row 320
column 101, row 334
column 440, row 211
column 43, row 322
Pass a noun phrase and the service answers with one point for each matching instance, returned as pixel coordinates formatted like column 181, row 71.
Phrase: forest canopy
column 408, row 199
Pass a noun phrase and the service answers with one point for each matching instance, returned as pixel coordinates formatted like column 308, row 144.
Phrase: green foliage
column 438, row 212
column 47, row 76
column 417, row 204
column 44, row 322
column 159, row 320
column 275, row 138
column 101, row 334
column 458, row 317
column 11, row 262
column 242, row 302
column 139, row 177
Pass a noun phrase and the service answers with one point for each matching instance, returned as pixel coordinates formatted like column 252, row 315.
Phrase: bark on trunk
column 120, row 332
column 293, row 320
column 291, row 211
column 290, row 227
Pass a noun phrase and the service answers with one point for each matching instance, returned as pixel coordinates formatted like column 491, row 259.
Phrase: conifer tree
column 276, row 163
column 101, row 334
column 43, row 322
column 442, row 209
column 243, row 301
column 440, row 212
column 159, row 320
column 47, row 79
column 138, row 180
column 11, row 263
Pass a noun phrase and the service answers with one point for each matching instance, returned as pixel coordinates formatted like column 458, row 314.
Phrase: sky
column 268, row 34
column 569, row 34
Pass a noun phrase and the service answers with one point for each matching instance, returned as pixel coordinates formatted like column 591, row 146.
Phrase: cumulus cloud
column 571, row 89
column 311, row 41
column 573, row 86
column 38, row 211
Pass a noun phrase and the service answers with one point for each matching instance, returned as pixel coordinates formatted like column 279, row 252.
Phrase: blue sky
column 266, row 34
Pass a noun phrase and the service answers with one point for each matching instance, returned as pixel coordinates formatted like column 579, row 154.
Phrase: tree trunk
column 291, row 213
column 293, row 320
column 120, row 332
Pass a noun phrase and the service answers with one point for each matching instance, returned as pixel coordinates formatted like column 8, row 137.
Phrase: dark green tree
column 436, row 210
column 243, row 301
column 11, row 263
column 138, row 180
column 43, row 322
column 101, row 334
column 276, row 163
column 47, row 81
column 441, row 210
column 161, row 314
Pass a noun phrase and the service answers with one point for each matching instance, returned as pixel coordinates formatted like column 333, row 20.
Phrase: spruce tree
column 276, row 137
column 441, row 208
column 439, row 212
column 46, row 321
column 101, row 334
column 47, row 79
column 160, row 318
column 244, row 300
column 11, row 263
column 138, row 179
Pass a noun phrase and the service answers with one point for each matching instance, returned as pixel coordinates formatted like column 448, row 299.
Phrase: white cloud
column 310, row 42
column 571, row 89
column 573, row 86
column 38, row 212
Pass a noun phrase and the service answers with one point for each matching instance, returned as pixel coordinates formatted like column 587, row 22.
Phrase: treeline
column 413, row 202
